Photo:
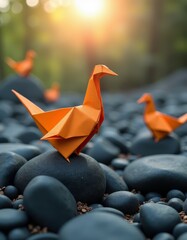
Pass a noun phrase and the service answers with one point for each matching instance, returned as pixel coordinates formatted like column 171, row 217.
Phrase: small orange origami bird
column 69, row 129
column 159, row 123
column 23, row 68
column 52, row 94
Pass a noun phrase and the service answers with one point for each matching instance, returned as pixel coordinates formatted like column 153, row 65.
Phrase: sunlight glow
column 89, row 8
column 32, row 3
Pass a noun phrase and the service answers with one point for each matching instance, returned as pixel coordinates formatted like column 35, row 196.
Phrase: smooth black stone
column 176, row 203
column 18, row 234
column 159, row 173
column 5, row 202
column 109, row 210
column 119, row 163
column 11, row 192
column 185, row 206
column 179, row 229
column 182, row 237
column 97, row 225
column 151, row 195
column 145, row 145
column 30, row 134
column 140, row 198
column 9, row 165
column 157, row 218
column 154, row 199
column 3, row 236
column 18, row 203
column 136, row 218
column 96, row 205
column 29, row 86
column 44, row 236
column 124, row 201
column 11, row 218
column 103, row 151
column 114, row 182
column 48, row 202
column 163, row 236
column 44, row 146
column 117, row 141
column 174, row 193
column 24, row 150
column 82, row 176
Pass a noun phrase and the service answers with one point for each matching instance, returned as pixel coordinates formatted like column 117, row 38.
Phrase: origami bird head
column 30, row 54
column 102, row 70
column 146, row 98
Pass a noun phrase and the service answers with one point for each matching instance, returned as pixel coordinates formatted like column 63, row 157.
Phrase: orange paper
column 24, row 67
column 52, row 94
column 69, row 129
column 159, row 123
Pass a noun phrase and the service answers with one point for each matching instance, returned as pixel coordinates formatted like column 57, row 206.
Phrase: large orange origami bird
column 159, row 123
column 23, row 68
column 69, row 129
column 52, row 94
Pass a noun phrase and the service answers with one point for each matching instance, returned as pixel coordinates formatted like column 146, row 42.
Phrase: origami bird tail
column 31, row 107
column 183, row 118
column 11, row 63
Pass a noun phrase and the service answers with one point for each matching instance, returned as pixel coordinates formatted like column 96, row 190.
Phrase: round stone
column 124, row 201
column 103, row 151
column 114, row 182
column 99, row 226
column 44, row 236
column 157, row 218
column 18, row 234
column 5, row 202
column 175, row 193
column 179, row 229
column 163, row 236
column 2, row 236
column 119, row 163
column 176, row 203
column 159, row 173
column 145, row 145
column 82, row 176
column 109, row 210
column 182, row 237
column 9, row 165
column 24, row 150
column 23, row 85
column 11, row 218
column 48, row 202
column 11, row 192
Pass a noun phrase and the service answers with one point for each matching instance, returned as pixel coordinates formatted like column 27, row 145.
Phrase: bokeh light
column 90, row 8
column 32, row 3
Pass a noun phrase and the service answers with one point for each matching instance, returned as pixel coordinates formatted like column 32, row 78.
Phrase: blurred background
column 142, row 40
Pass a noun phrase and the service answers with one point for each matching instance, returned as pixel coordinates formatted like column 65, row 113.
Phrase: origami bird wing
column 157, row 122
column 76, row 123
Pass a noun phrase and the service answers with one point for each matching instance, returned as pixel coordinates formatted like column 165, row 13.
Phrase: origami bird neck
column 150, row 106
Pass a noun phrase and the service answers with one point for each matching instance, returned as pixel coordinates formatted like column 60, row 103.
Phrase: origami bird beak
column 110, row 72
column 142, row 99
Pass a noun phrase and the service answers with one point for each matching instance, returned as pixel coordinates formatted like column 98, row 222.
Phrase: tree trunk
column 154, row 38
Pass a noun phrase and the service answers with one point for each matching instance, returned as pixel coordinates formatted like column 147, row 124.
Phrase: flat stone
column 11, row 218
column 9, row 165
column 158, row 173
column 82, row 176
column 145, row 145
column 48, row 202
column 114, row 182
column 157, row 218
column 25, row 150
column 97, row 225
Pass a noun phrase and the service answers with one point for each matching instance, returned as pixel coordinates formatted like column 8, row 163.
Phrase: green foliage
column 68, row 46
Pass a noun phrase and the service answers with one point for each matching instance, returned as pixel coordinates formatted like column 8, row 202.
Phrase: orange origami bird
column 23, row 68
column 69, row 129
column 52, row 94
column 159, row 123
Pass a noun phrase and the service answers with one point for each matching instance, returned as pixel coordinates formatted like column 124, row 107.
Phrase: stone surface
column 48, row 202
column 9, row 165
column 159, row 173
column 157, row 218
column 145, row 145
column 5, row 202
column 179, row 229
column 44, row 236
column 82, row 176
column 25, row 150
column 23, row 85
column 99, row 226
column 109, row 210
column 124, row 201
column 18, row 234
column 11, row 218
column 114, row 182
